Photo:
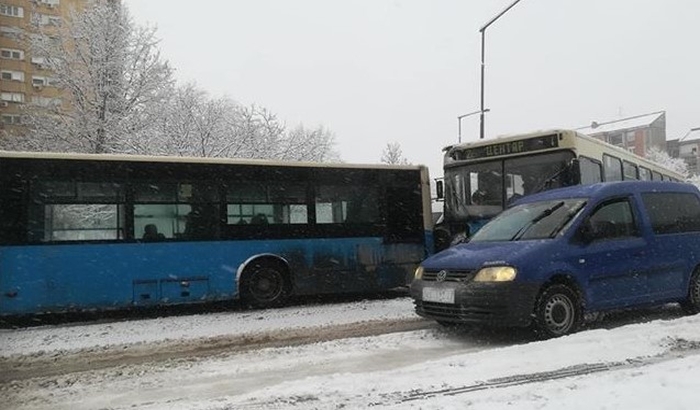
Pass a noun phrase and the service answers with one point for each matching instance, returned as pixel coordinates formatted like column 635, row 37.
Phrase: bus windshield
column 481, row 190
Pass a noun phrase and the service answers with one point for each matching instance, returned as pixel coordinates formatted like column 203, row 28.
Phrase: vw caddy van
column 554, row 256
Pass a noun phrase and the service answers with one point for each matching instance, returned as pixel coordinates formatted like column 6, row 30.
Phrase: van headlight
column 418, row 274
column 496, row 274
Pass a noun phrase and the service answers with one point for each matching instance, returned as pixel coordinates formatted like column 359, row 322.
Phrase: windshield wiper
column 545, row 213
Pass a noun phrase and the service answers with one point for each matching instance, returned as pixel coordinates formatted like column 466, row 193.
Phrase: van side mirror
column 440, row 189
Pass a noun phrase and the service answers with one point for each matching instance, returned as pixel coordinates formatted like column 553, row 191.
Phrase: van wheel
column 691, row 305
column 557, row 312
column 264, row 284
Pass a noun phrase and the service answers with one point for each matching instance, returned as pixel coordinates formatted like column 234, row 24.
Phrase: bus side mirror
column 440, row 189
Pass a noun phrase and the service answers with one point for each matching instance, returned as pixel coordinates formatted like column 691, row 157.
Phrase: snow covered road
column 652, row 365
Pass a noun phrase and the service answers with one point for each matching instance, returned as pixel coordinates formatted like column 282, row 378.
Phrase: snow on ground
column 76, row 337
column 654, row 365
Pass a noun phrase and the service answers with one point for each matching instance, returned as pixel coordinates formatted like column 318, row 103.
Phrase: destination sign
column 509, row 148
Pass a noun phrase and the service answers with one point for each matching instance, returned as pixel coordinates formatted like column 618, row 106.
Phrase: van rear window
column 672, row 212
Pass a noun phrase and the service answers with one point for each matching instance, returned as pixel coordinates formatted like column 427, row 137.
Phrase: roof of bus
column 515, row 137
column 195, row 160
column 604, row 189
column 512, row 137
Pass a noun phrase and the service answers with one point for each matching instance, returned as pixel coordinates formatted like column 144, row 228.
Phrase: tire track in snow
column 677, row 348
column 62, row 363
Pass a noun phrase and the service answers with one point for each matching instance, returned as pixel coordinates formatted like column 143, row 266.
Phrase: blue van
column 556, row 255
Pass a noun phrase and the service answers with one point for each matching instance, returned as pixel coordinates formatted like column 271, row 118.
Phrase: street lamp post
column 459, row 121
column 483, row 65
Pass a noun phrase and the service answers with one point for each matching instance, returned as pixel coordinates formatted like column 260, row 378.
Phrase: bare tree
column 392, row 154
column 110, row 70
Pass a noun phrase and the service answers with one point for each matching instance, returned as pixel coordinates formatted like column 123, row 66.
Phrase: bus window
column 629, row 170
column 261, row 203
column 656, row 176
column 612, row 168
column 346, row 204
column 644, row 174
column 183, row 210
column 76, row 211
column 590, row 171
column 530, row 174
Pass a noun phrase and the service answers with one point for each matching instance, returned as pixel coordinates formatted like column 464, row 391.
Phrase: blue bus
column 84, row 231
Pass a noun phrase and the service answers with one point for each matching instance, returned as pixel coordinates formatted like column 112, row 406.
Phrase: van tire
column 558, row 312
column 691, row 305
column 264, row 283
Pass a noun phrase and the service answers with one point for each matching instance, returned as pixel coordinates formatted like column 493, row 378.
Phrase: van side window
column 614, row 220
column 672, row 212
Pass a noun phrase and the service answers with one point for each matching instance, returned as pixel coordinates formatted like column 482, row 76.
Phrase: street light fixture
column 459, row 121
column 483, row 65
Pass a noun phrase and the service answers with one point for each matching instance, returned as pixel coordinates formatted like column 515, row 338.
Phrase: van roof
column 604, row 189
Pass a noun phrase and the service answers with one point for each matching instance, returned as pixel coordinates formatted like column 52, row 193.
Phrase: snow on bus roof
column 196, row 160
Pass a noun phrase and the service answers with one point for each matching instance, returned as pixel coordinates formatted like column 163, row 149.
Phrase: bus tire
column 265, row 283
column 558, row 311
column 691, row 305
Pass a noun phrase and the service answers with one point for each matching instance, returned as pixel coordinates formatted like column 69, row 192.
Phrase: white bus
column 482, row 178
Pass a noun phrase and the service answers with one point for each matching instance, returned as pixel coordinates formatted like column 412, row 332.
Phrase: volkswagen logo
column 441, row 276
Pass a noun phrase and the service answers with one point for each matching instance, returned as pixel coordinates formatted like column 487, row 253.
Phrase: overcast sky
column 380, row 71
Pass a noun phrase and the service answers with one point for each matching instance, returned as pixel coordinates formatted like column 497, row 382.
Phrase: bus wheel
column 691, row 305
column 264, row 284
column 557, row 312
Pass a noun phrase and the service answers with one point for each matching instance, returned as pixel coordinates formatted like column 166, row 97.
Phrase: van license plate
column 439, row 295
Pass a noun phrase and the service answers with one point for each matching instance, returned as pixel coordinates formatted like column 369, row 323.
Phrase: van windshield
column 537, row 220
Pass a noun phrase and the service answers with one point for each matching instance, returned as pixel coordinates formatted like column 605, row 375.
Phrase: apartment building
column 24, row 78
column 637, row 134
column 687, row 148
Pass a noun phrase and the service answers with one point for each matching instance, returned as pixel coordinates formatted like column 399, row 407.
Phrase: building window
column 46, row 101
column 46, row 19
column 39, row 61
column 13, row 33
column 11, row 54
column 8, row 75
column 11, row 119
column 50, row 3
column 615, row 139
column 12, row 97
column 12, row 11
column 38, row 81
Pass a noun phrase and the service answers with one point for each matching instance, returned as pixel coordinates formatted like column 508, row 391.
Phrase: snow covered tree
column 194, row 124
column 118, row 96
column 662, row 158
column 110, row 71
column 392, row 154
column 311, row 145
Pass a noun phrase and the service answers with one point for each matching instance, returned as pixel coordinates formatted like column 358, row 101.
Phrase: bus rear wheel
column 264, row 284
